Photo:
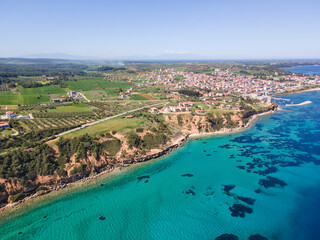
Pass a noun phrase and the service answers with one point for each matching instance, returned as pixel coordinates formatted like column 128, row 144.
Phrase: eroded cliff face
column 14, row 189
column 194, row 124
column 76, row 168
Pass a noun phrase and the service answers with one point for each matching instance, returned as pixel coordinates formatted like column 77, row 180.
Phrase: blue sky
column 208, row 29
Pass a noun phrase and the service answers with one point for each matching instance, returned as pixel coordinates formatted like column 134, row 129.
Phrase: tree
column 134, row 140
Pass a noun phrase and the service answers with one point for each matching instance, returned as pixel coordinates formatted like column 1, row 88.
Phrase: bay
column 311, row 70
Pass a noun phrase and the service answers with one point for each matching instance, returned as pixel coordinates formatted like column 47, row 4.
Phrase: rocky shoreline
column 75, row 180
column 234, row 130
column 179, row 143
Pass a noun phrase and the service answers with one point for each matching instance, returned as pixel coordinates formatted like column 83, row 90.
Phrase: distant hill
column 60, row 56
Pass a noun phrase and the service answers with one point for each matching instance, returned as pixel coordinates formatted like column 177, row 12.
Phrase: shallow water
column 304, row 69
column 262, row 181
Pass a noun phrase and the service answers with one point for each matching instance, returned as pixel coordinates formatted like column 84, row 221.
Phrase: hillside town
column 225, row 82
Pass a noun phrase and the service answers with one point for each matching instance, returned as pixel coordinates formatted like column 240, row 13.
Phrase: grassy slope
column 116, row 124
column 78, row 107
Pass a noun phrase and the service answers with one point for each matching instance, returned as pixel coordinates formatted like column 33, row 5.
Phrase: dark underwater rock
column 228, row 188
column 187, row 175
column 142, row 177
column 190, row 192
column 241, row 167
column 271, row 182
column 258, row 190
column 239, row 210
column 102, row 218
column 257, row 237
column 227, row 236
column 247, row 200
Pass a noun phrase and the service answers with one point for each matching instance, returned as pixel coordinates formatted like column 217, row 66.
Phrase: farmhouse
column 62, row 99
column 74, row 94
column 238, row 107
column 186, row 106
column 154, row 110
column 4, row 125
column 10, row 114
column 199, row 111
column 166, row 110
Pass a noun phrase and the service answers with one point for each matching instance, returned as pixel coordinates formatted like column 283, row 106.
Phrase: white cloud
column 175, row 52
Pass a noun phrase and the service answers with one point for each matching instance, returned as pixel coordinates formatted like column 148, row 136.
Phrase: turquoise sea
column 263, row 183
column 314, row 69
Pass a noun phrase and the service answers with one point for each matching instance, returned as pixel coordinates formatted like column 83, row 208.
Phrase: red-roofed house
column 4, row 125
column 10, row 114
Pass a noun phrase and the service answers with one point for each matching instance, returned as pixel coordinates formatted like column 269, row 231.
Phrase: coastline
column 298, row 91
column 226, row 131
column 67, row 188
column 43, row 196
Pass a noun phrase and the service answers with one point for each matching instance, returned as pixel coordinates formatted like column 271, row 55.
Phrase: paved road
column 105, row 119
column 84, row 97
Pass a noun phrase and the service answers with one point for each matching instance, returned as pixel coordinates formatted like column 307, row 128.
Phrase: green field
column 9, row 98
column 117, row 124
column 75, row 107
column 40, row 94
column 94, row 84
column 91, row 68
column 138, row 97
column 101, row 94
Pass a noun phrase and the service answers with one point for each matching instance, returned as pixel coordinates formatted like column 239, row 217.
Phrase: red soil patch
column 146, row 96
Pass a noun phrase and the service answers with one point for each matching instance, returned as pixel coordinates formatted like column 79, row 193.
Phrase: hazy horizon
column 151, row 30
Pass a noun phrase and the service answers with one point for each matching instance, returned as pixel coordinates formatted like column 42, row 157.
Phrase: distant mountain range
column 60, row 56
column 164, row 56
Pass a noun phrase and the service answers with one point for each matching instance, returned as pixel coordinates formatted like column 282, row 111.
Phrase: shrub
column 112, row 146
column 108, row 135
column 134, row 140
column 19, row 196
column 139, row 130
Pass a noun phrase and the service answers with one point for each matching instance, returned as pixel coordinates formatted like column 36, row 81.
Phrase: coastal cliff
column 87, row 157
